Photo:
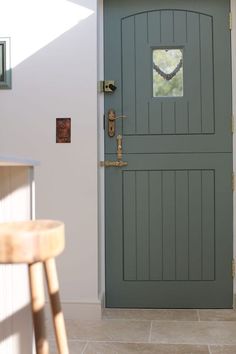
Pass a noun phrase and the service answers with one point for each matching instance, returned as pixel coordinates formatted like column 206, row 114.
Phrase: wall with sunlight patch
column 54, row 60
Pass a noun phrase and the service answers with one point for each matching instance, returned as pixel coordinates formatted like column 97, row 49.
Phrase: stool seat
column 36, row 243
column 31, row 241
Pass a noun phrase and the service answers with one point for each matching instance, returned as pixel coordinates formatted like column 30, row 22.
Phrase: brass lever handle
column 112, row 115
column 113, row 163
column 112, row 122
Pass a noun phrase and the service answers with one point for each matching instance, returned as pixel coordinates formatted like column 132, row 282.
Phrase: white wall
column 54, row 54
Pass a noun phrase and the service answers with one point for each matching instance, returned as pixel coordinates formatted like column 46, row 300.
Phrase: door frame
column 233, row 50
column 101, row 174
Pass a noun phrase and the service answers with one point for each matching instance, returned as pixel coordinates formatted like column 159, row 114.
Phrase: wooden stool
column 36, row 243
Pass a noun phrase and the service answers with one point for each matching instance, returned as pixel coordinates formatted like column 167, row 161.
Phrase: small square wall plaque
column 63, row 130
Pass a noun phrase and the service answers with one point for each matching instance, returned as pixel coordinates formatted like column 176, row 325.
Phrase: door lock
column 109, row 86
column 112, row 122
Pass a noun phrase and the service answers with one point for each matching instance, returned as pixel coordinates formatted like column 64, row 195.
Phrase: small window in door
column 167, row 72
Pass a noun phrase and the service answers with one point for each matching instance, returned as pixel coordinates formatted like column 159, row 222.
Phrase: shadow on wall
column 32, row 25
column 12, row 325
column 7, row 326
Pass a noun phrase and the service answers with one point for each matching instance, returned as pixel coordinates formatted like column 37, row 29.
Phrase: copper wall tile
column 63, row 130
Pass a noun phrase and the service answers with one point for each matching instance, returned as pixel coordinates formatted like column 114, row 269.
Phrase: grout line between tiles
column 148, row 320
column 85, row 347
column 125, row 342
column 91, row 341
column 156, row 343
column 209, row 349
column 128, row 319
column 215, row 321
column 73, row 340
column 198, row 315
column 150, row 333
column 153, row 342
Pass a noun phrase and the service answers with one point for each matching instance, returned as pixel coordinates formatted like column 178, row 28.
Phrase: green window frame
column 168, row 78
column 5, row 66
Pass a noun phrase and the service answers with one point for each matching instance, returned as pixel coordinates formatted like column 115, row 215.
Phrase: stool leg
column 37, row 303
column 58, row 318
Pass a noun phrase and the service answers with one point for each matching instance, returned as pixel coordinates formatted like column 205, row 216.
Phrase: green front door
column 169, row 239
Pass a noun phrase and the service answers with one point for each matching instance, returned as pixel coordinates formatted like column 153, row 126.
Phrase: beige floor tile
column 107, row 330
column 160, row 315
column 224, row 349
column 129, row 348
column 75, row 347
column 214, row 333
column 217, row 315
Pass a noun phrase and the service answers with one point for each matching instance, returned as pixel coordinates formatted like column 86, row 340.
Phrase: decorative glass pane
column 1, row 62
column 167, row 72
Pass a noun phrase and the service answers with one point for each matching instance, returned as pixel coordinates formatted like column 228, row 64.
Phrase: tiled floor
column 154, row 331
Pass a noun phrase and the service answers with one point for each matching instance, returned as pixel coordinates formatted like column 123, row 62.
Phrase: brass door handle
column 112, row 117
column 113, row 163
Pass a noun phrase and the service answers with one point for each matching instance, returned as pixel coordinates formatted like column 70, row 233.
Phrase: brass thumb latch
column 119, row 147
column 113, row 164
column 119, row 162
column 112, row 122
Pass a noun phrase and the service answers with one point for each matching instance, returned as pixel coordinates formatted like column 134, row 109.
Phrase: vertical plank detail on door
column 208, row 223
column 180, row 26
column 142, row 200
column 167, row 27
column 169, row 225
column 142, row 77
column 154, row 27
column 169, row 125
column 207, row 78
column 154, row 39
column 156, row 124
column 195, row 225
column 182, row 117
column 182, row 225
column 129, row 75
column 193, row 65
column 130, row 225
column 156, row 226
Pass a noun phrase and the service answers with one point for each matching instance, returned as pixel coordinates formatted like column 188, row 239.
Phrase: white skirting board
column 79, row 311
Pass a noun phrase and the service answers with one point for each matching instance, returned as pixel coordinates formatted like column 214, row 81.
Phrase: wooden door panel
column 182, row 225
column 197, row 103
column 169, row 212
column 174, row 144
column 205, row 110
column 173, row 217
column 169, row 219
